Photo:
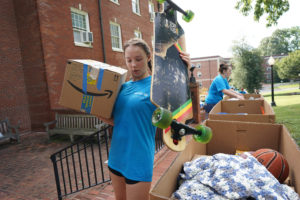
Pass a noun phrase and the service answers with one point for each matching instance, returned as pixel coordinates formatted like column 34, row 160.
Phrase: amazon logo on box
column 91, row 87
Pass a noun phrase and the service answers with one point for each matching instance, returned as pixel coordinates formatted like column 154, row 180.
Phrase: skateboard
column 170, row 82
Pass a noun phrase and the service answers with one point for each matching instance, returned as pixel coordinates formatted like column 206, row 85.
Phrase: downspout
column 101, row 31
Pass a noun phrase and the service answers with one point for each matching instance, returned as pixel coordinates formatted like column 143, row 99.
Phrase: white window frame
column 119, row 37
column 136, row 7
column 87, row 28
column 138, row 34
column 115, row 1
column 151, row 11
column 199, row 74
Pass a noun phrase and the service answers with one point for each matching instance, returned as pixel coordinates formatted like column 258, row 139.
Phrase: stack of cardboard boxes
column 244, row 125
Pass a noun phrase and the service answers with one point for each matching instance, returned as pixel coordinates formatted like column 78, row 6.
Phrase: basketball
column 274, row 162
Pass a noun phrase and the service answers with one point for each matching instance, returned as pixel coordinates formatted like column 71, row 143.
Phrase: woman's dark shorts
column 208, row 107
column 127, row 181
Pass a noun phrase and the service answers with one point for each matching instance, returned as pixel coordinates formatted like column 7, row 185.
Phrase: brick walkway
column 26, row 171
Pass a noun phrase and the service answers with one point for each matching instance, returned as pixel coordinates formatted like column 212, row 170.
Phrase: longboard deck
column 170, row 84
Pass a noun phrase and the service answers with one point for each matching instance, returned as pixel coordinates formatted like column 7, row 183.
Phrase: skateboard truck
column 187, row 15
column 178, row 130
column 200, row 133
column 162, row 118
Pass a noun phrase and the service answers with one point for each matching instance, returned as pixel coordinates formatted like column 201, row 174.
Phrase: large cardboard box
column 91, row 87
column 243, row 110
column 229, row 136
column 247, row 97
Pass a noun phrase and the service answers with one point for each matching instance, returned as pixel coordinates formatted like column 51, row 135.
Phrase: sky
column 217, row 24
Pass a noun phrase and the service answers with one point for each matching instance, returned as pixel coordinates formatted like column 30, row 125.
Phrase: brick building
column 38, row 36
column 207, row 68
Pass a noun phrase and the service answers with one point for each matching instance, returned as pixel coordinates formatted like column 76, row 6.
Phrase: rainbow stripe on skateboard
column 181, row 113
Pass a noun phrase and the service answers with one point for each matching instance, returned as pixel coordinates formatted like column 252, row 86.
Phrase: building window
column 151, row 11
column 116, row 40
column 81, row 28
column 199, row 74
column 136, row 6
column 115, row 1
column 137, row 34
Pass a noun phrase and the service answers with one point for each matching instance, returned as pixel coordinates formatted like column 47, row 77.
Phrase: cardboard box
column 247, row 97
column 229, row 136
column 243, row 110
column 91, row 87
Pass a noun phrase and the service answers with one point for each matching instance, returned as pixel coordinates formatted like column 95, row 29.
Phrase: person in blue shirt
column 243, row 91
column 219, row 87
column 131, row 154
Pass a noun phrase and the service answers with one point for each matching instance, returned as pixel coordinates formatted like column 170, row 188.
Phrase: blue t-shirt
column 215, row 93
column 133, row 140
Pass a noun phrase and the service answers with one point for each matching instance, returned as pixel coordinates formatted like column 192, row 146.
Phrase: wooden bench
column 72, row 125
column 9, row 131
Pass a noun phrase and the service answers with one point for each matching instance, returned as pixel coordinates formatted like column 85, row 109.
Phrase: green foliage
column 289, row 67
column 282, row 41
column 247, row 67
column 273, row 9
column 289, row 116
column 287, row 111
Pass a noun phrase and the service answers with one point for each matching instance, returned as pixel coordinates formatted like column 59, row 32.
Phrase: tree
column 282, row 41
column 289, row 67
column 274, row 9
column 247, row 67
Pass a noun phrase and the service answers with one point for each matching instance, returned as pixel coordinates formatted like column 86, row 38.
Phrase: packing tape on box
column 87, row 100
column 99, row 83
column 84, row 78
column 86, row 103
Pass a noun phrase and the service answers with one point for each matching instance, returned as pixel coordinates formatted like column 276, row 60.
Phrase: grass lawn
column 284, row 93
column 292, row 85
column 287, row 112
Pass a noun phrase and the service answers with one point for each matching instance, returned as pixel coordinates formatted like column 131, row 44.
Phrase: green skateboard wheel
column 162, row 118
column 206, row 135
column 189, row 16
column 160, row 1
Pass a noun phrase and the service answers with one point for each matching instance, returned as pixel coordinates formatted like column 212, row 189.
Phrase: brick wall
column 122, row 14
column 13, row 97
column 36, row 42
column 57, row 35
column 209, row 70
column 32, row 62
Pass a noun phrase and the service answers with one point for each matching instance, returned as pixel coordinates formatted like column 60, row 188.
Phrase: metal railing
column 81, row 165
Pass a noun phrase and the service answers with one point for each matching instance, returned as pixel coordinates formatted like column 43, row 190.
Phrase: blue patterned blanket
column 224, row 176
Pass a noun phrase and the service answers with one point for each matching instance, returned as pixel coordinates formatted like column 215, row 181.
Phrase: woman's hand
column 240, row 97
column 233, row 94
column 186, row 58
